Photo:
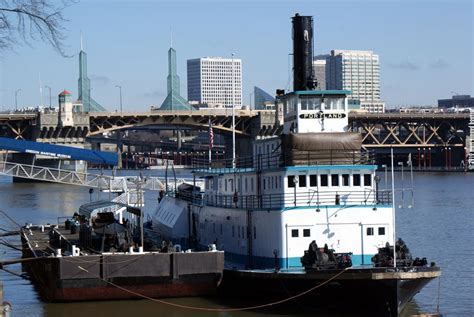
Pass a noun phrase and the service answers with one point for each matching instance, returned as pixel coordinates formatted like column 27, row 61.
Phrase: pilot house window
column 294, row 233
column 291, row 181
column 302, row 180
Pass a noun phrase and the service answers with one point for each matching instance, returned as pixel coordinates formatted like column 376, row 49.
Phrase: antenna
column 171, row 37
column 81, row 43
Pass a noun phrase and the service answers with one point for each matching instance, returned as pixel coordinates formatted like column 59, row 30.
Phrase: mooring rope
column 222, row 309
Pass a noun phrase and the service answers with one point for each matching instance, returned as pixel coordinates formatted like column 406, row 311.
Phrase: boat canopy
column 105, row 206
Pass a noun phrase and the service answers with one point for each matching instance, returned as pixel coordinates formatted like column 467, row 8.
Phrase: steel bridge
column 408, row 130
column 399, row 130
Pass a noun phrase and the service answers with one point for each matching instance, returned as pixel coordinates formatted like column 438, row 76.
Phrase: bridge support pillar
column 243, row 147
column 119, row 149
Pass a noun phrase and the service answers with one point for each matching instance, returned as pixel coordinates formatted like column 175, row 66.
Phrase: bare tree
column 33, row 20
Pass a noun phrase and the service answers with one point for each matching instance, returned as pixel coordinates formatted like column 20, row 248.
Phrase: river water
column 440, row 227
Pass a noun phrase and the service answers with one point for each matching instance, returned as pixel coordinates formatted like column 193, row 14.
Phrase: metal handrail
column 293, row 158
column 310, row 198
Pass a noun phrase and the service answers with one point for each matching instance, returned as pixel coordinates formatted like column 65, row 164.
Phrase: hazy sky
column 425, row 47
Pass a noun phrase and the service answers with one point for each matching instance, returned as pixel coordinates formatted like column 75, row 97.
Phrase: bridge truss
column 411, row 130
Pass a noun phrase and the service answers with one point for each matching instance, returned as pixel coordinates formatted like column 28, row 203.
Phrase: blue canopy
column 59, row 151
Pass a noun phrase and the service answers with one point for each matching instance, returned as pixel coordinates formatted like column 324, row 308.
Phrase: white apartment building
column 359, row 72
column 211, row 79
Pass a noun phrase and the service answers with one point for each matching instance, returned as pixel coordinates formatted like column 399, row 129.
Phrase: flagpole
column 210, row 142
column 233, row 117
column 393, row 211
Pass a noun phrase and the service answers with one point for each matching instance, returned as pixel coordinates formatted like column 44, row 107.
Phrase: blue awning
column 59, row 151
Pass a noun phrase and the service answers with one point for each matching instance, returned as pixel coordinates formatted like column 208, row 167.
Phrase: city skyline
column 425, row 47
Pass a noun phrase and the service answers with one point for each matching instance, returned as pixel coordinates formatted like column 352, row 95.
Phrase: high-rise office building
column 359, row 72
column 210, row 81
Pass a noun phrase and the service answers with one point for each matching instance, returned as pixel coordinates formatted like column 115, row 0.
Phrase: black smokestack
column 303, row 76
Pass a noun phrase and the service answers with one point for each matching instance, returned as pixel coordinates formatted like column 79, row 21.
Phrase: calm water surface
column 440, row 227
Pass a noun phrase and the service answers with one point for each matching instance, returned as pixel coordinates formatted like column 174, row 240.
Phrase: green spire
column 174, row 101
column 84, row 86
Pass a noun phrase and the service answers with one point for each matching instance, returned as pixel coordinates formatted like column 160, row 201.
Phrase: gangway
column 106, row 183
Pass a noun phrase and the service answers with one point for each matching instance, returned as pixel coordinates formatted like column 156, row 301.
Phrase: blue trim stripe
column 260, row 262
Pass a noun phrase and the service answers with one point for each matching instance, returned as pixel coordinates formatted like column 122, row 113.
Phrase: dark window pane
column 291, row 181
column 335, row 180
column 302, row 180
column 367, row 180
column 356, row 180
column 324, row 180
column 294, row 233
column 345, row 179
column 313, row 180
column 370, row 231
column 381, row 231
column 306, row 233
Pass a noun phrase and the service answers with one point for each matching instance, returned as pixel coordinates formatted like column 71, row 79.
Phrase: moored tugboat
column 307, row 183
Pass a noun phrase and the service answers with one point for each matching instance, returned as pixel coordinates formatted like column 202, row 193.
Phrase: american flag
column 211, row 135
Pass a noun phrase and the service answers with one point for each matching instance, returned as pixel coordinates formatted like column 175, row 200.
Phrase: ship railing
column 299, row 199
column 261, row 162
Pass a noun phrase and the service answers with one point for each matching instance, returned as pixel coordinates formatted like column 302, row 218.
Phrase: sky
column 425, row 47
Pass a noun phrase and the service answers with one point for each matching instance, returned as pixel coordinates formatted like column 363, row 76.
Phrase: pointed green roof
column 174, row 101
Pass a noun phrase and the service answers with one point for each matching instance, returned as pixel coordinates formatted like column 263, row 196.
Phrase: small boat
column 94, row 256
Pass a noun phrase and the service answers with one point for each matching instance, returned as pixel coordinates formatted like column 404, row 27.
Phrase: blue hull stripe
column 261, row 262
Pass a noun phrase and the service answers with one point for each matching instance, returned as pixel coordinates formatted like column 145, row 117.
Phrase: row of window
column 296, row 232
column 370, row 231
column 242, row 232
column 326, row 180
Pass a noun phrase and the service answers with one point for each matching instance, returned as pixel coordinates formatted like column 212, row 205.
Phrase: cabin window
column 231, row 181
column 294, row 233
column 381, row 231
column 291, row 181
column 367, row 180
column 225, row 184
column 310, row 103
column 302, row 180
column 313, row 180
column 370, row 231
column 335, row 180
column 345, row 179
column 254, row 233
column 324, row 180
column 306, row 232
column 264, row 183
column 336, row 103
column 246, row 184
column 251, row 184
column 356, row 180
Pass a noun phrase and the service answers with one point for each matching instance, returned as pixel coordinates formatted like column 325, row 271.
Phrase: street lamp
column 49, row 95
column 403, row 178
column 16, row 98
column 120, row 89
